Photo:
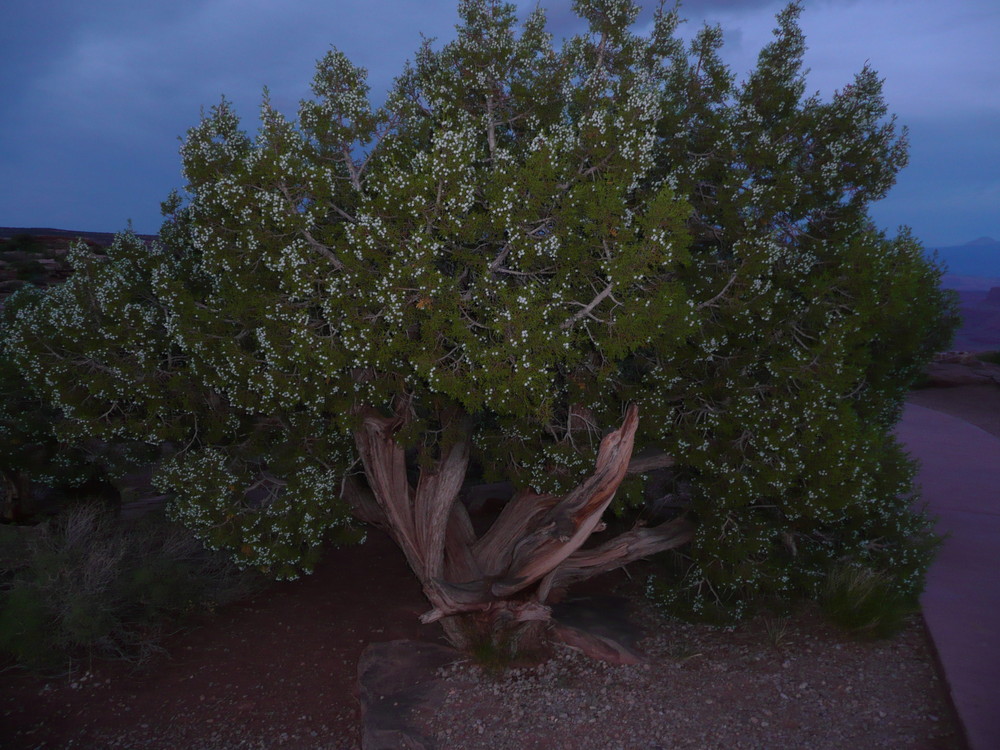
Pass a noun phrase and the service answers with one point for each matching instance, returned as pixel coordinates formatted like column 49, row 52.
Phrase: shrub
column 31, row 451
column 88, row 583
column 22, row 243
column 521, row 246
column 866, row 602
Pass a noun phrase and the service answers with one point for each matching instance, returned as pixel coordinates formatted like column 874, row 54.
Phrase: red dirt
column 276, row 671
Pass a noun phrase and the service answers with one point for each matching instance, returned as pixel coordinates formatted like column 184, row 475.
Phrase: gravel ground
column 279, row 674
column 770, row 683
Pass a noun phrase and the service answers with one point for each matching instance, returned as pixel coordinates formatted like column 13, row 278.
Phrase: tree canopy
column 521, row 243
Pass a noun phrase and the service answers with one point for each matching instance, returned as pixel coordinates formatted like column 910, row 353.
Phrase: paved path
column 960, row 476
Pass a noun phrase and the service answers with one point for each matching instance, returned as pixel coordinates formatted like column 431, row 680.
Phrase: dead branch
column 601, row 296
column 650, row 461
column 595, row 646
column 494, row 550
column 385, row 467
column 432, row 504
column 567, row 525
column 628, row 547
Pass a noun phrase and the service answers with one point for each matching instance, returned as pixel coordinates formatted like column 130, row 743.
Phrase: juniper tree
column 543, row 262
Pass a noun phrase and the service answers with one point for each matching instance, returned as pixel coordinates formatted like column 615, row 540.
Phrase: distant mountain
column 973, row 269
column 979, row 258
column 100, row 238
column 970, row 283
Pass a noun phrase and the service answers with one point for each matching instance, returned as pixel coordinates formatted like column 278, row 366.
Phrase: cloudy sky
column 94, row 95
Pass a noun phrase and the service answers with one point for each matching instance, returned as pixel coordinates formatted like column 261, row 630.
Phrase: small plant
column 865, row 602
column 22, row 243
column 992, row 358
column 29, row 270
column 491, row 656
column 502, row 649
column 776, row 629
column 683, row 652
column 88, row 583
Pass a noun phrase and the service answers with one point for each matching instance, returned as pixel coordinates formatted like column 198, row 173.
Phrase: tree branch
column 436, row 493
column 562, row 530
column 323, row 249
column 650, row 462
column 616, row 553
column 601, row 296
column 501, row 257
column 720, row 295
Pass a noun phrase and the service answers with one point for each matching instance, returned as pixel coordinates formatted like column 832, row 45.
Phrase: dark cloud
column 95, row 94
column 563, row 22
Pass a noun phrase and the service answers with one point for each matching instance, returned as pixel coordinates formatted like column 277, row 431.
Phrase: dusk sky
column 95, row 94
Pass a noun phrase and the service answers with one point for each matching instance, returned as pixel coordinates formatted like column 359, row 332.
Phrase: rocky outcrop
column 35, row 259
column 951, row 369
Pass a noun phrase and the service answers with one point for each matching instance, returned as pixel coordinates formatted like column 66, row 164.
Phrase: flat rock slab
column 951, row 374
column 395, row 680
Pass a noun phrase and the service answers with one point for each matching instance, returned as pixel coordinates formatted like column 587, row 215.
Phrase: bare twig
column 501, row 257
column 720, row 295
column 323, row 249
column 601, row 296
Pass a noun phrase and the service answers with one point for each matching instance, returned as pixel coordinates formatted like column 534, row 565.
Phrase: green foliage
column 28, row 440
column 40, row 446
column 87, row 583
column 498, row 650
column 22, row 243
column 494, row 656
column 533, row 237
column 865, row 601
column 990, row 357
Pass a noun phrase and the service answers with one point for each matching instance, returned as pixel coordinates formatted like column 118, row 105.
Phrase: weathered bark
column 363, row 504
column 595, row 646
column 418, row 519
column 385, row 468
column 460, row 563
column 496, row 587
column 625, row 548
column 566, row 526
column 494, row 551
column 649, row 461
column 433, row 502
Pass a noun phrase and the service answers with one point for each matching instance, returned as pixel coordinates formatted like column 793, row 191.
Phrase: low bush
column 865, row 602
column 22, row 243
column 30, row 270
column 87, row 583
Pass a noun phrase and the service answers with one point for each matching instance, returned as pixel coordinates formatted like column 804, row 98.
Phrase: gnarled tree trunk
column 494, row 588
